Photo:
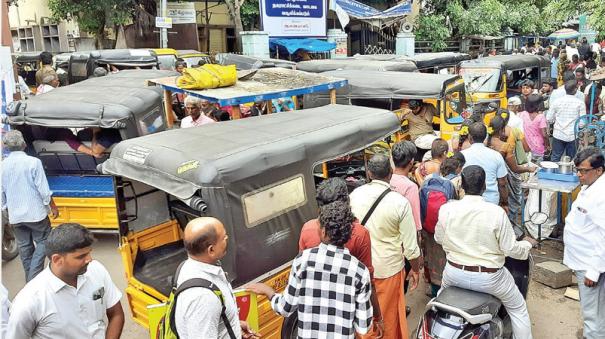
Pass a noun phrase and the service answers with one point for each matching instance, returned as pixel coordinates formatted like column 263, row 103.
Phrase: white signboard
column 294, row 18
column 182, row 12
column 163, row 22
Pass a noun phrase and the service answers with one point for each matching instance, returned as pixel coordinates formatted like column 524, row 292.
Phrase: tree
column 94, row 16
column 234, row 8
column 433, row 28
column 250, row 15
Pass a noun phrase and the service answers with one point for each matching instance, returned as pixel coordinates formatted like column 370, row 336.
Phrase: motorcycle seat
column 471, row 302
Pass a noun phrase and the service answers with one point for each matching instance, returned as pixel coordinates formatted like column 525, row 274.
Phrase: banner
column 181, row 12
column 294, row 18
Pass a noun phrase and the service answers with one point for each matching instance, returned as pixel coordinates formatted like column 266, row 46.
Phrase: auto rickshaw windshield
column 481, row 79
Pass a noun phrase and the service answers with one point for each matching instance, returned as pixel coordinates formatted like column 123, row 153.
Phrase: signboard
column 294, row 18
column 163, row 22
column 182, row 12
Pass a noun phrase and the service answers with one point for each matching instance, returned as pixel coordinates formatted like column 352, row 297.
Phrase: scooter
column 465, row 314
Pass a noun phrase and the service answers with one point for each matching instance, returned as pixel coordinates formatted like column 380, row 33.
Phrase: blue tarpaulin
column 310, row 45
column 361, row 11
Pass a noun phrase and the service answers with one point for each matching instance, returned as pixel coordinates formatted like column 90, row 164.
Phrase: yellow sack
column 207, row 76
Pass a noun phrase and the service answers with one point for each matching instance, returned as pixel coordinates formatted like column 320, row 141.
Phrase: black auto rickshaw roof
column 508, row 62
column 430, row 60
column 421, row 60
column 318, row 66
column 217, row 154
column 392, row 85
column 123, row 57
column 26, row 57
column 96, row 102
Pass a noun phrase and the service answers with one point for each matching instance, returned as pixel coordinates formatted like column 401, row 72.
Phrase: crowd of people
column 448, row 219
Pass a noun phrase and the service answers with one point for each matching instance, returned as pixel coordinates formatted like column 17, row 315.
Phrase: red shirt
column 359, row 245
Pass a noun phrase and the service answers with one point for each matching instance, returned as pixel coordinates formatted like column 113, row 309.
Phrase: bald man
column 198, row 310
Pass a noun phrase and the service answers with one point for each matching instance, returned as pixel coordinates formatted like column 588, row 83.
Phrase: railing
column 425, row 46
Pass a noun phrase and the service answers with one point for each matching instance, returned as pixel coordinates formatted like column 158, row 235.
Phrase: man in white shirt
column 585, row 240
column 5, row 303
column 560, row 92
column 198, row 312
column 492, row 163
column 393, row 237
column 563, row 114
column 193, row 107
column 514, row 107
column 71, row 297
column 476, row 237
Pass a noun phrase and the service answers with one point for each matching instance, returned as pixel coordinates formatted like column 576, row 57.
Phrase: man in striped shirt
column 563, row 113
column 26, row 195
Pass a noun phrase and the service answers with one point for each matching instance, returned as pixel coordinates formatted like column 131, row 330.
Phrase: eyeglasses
column 191, row 107
column 583, row 171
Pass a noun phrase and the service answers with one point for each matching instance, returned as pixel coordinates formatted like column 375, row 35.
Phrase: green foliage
column 250, row 14
column 93, row 15
column 433, row 28
column 484, row 17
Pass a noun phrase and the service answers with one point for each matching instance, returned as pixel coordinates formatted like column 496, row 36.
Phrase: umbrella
column 565, row 33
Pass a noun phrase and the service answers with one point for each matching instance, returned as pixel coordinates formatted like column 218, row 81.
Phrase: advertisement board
column 294, row 18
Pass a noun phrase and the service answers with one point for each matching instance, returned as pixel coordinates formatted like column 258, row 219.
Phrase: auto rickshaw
column 379, row 64
column 29, row 64
column 260, row 184
column 387, row 90
column 117, row 103
column 425, row 62
column 193, row 57
column 83, row 64
column 166, row 57
column 497, row 78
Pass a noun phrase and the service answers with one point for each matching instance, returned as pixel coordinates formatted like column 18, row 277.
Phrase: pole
column 164, row 31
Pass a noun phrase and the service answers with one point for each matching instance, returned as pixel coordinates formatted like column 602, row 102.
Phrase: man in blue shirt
column 26, row 195
column 492, row 163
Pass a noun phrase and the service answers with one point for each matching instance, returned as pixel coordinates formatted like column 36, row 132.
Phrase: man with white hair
column 193, row 108
column 28, row 199
column 514, row 106
column 50, row 81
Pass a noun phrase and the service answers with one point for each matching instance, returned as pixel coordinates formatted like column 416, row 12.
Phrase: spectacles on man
column 191, row 107
column 583, row 171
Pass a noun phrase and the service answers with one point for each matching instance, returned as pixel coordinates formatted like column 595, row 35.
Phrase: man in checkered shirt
column 564, row 112
column 328, row 287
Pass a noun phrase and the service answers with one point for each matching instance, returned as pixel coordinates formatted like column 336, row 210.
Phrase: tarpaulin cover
column 362, row 11
column 310, row 45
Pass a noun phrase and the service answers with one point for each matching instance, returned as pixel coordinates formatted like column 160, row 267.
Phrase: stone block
column 553, row 274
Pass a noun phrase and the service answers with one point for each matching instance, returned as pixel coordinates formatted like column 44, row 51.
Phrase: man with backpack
column 206, row 307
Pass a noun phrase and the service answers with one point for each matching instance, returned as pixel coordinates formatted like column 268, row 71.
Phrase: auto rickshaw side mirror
column 12, row 109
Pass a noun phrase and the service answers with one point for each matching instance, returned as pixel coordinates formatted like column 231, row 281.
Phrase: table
column 559, row 187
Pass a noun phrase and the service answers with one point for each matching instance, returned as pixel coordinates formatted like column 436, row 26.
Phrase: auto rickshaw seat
column 59, row 157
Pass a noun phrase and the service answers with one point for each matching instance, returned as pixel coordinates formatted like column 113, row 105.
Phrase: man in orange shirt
column 329, row 191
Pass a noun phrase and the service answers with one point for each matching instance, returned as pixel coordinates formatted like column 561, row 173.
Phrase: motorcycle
column 9, row 242
column 458, row 313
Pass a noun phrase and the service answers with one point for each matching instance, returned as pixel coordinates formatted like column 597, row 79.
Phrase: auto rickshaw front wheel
column 9, row 243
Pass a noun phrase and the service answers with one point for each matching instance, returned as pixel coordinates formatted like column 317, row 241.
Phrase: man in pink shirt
column 193, row 107
column 403, row 154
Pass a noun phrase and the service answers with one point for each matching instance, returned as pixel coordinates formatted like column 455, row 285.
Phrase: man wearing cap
column 420, row 120
column 514, row 106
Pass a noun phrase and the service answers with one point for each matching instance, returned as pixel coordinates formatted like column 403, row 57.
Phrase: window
column 481, row 80
column 274, row 200
column 152, row 122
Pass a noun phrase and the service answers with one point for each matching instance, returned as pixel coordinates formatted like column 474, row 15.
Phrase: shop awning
column 309, row 45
